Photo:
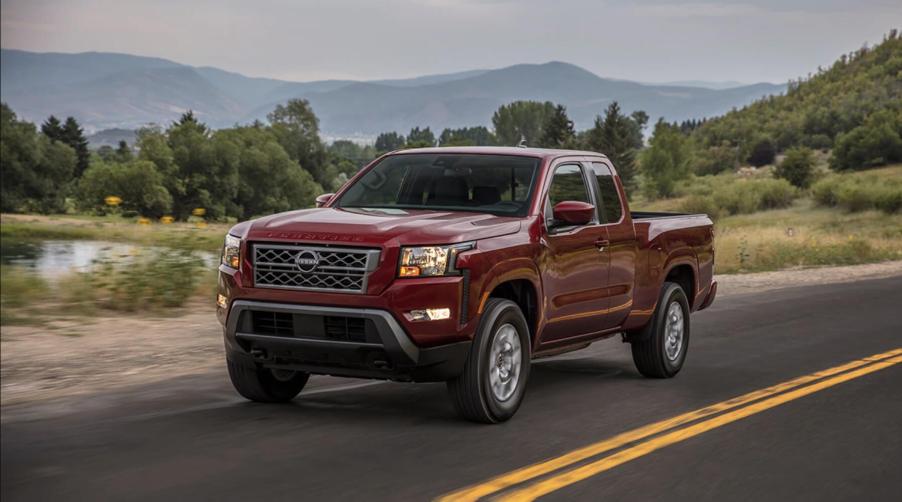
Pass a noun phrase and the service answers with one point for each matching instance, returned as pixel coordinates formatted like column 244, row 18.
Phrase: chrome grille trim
column 339, row 269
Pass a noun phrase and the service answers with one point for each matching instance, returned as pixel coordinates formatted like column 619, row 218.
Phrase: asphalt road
column 193, row 439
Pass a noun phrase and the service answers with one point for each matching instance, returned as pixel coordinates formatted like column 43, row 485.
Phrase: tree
column 35, row 169
column 137, row 183
column 74, row 136
column 557, row 131
column 876, row 142
column 521, row 120
column 297, row 130
column 797, row 167
column 763, row 153
column 619, row 137
column 420, row 138
column 52, row 128
column 666, row 160
column 123, row 152
column 467, row 136
column 388, row 142
column 206, row 169
column 153, row 145
column 270, row 180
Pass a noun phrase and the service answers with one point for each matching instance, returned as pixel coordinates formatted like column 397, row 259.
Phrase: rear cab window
column 610, row 209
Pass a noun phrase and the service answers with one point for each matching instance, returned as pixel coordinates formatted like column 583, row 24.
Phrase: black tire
column 471, row 392
column 261, row 384
column 649, row 352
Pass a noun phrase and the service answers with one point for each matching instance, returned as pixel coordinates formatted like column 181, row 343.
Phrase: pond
column 53, row 259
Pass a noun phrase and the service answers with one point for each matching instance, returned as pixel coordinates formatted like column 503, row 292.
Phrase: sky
column 648, row 41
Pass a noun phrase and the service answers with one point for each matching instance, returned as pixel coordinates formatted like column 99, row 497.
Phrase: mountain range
column 108, row 90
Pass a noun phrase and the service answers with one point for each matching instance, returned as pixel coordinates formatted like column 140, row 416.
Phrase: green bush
column 728, row 194
column 697, row 204
column 152, row 280
column 876, row 142
column 859, row 193
column 797, row 167
column 715, row 160
column 762, row 153
column 137, row 183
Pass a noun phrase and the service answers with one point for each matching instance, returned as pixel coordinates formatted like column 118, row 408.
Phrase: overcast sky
column 652, row 41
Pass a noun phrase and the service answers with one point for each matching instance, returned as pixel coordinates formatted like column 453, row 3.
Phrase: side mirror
column 323, row 199
column 572, row 212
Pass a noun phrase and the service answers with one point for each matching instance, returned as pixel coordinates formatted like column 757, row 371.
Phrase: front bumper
column 340, row 341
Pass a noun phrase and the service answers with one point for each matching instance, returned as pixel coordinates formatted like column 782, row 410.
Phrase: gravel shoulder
column 76, row 356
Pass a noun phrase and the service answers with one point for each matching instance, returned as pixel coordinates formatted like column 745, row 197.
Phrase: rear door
column 621, row 248
column 574, row 265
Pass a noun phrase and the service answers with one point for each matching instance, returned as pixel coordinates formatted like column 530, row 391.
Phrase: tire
column 473, row 394
column 655, row 354
column 264, row 385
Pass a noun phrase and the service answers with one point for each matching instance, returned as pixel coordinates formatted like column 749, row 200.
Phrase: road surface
column 590, row 426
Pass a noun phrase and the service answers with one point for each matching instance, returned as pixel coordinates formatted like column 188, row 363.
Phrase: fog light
column 222, row 301
column 430, row 314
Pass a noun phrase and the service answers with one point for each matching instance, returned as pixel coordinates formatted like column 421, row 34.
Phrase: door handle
column 601, row 244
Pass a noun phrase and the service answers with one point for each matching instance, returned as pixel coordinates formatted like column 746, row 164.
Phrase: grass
column 113, row 228
column 805, row 236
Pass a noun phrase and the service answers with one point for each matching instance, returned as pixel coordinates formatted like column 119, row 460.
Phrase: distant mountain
column 707, row 84
column 105, row 90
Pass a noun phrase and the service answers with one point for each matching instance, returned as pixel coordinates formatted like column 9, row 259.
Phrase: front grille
column 314, row 268
column 345, row 329
column 273, row 323
column 335, row 328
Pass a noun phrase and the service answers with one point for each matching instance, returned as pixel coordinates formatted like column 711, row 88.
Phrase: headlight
column 430, row 261
column 231, row 256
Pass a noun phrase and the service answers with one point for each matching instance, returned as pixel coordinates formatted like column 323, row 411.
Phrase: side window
column 610, row 210
column 568, row 184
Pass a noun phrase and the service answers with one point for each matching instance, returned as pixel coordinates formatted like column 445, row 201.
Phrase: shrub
column 762, row 153
column 728, row 194
column 797, row 167
column 876, row 142
column 715, row 160
column 153, row 279
column 859, row 193
column 697, row 204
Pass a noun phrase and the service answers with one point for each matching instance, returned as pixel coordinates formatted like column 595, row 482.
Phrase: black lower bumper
column 364, row 343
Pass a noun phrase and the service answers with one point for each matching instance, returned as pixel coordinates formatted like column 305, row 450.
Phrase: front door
column 574, row 263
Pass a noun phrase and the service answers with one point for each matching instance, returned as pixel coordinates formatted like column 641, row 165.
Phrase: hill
column 104, row 90
column 860, row 91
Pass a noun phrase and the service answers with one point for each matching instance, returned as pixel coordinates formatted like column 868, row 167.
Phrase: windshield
column 497, row 184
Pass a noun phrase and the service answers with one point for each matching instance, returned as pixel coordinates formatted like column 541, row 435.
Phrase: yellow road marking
column 475, row 492
column 559, row 481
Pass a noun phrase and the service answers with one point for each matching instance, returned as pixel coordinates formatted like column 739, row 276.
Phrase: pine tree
column 557, row 132
column 52, row 128
column 74, row 136
column 615, row 136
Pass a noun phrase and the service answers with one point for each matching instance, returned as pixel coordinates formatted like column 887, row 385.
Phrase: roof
column 500, row 150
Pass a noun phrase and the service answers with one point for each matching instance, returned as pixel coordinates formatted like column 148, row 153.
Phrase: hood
column 380, row 227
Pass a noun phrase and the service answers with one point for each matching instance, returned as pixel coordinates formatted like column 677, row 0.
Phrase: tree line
column 240, row 172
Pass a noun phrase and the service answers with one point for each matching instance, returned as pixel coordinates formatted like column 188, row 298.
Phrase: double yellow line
column 660, row 434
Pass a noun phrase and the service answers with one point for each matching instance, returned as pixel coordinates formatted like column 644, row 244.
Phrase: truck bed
column 648, row 215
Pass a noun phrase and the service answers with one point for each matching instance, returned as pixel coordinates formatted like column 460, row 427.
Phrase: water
column 54, row 259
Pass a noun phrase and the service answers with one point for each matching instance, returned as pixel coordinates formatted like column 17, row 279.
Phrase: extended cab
column 460, row 265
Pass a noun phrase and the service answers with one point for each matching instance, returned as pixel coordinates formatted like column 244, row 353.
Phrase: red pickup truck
column 460, row 265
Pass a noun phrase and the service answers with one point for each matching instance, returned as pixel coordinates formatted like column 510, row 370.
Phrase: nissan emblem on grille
column 306, row 260
column 314, row 268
